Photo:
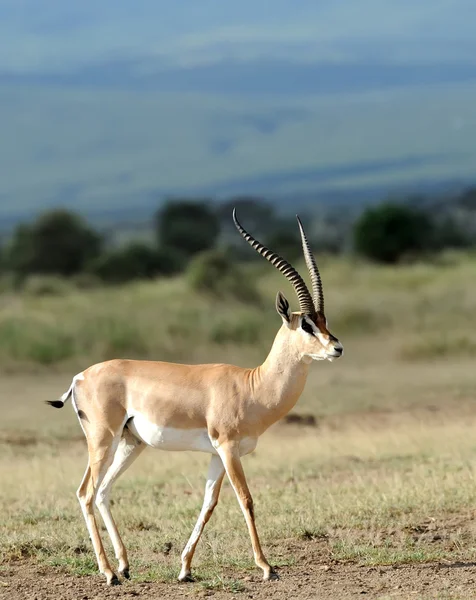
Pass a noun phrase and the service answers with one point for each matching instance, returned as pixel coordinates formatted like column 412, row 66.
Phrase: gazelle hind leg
column 229, row 452
column 101, row 452
column 216, row 472
column 128, row 450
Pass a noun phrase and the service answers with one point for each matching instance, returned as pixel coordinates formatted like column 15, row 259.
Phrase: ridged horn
column 317, row 291
column 306, row 304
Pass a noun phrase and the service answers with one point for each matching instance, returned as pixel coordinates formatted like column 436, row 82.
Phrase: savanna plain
column 366, row 490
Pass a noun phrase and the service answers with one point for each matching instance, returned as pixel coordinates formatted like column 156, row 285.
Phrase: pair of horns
column 308, row 305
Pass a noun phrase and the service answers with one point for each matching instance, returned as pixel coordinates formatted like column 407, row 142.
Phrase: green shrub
column 113, row 336
column 389, row 232
column 32, row 340
column 45, row 285
column 171, row 260
column 187, row 226
column 286, row 241
column 86, row 281
column 135, row 261
column 246, row 330
column 213, row 272
column 9, row 283
column 58, row 242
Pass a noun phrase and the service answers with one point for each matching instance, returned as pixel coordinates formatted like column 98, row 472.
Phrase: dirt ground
column 315, row 575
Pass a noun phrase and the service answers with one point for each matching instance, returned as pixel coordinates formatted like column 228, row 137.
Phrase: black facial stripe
column 305, row 326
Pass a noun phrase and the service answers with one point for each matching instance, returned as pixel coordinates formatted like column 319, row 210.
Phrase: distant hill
column 109, row 107
column 110, row 151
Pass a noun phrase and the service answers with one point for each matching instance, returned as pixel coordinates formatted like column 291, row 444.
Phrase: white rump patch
column 78, row 377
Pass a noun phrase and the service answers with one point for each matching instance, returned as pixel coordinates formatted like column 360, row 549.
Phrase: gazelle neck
column 279, row 381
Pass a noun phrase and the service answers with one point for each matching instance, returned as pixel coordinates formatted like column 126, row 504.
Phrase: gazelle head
column 308, row 329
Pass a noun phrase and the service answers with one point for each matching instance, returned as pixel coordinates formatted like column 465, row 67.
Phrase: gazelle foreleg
column 229, row 452
column 215, row 475
column 128, row 450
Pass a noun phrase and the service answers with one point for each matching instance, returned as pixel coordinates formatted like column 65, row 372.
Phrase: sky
column 275, row 55
column 55, row 35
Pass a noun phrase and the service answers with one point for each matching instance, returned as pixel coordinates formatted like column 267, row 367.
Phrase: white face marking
column 319, row 336
column 317, row 332
column 325, row 342
column 172, row 438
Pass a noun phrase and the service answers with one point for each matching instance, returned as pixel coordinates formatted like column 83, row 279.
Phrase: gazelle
column 124, row 406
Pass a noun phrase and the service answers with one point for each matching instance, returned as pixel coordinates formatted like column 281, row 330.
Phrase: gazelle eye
column 306, row 327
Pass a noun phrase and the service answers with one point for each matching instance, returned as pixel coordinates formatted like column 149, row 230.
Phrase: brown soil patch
column 314, row 575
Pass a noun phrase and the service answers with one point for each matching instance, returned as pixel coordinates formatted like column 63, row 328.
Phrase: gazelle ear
column 282, row 306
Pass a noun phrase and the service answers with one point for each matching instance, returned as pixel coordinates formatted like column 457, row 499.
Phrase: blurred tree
column 188, row 226
column 135, row 261
column 468, row 199
column 285, row 240
column 389, row 231
column 451, row 232
column 256, row 214
column 59, row 242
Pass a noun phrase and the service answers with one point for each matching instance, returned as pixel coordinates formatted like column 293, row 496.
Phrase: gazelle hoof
column 271, row 576
column 186, row 577
column 114, row 580
column 125, row 573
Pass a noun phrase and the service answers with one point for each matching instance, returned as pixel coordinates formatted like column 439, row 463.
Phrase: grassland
column 374, row 495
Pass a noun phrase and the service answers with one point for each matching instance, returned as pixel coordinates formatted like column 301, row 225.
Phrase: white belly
column 171, row 438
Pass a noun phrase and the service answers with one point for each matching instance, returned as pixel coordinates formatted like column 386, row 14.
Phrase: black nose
column 338, row 350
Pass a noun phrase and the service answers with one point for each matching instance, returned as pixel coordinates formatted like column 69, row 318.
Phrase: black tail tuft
column 55, row 403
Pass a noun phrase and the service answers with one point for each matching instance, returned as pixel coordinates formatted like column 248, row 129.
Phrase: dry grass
column 387, row 476
column 380, row 495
